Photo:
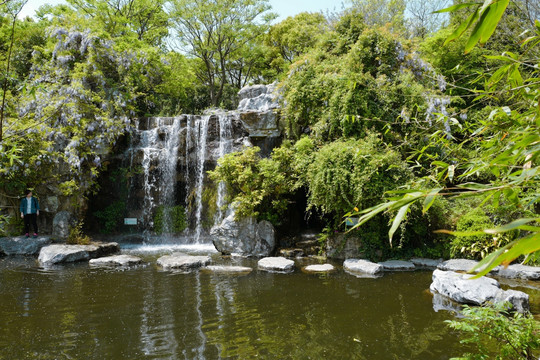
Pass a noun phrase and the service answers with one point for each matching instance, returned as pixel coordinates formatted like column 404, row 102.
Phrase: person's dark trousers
column 30, row 219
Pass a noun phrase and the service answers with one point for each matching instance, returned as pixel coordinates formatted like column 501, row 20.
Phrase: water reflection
column 142, row 313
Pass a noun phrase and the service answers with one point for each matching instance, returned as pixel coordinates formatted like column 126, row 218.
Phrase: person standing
column 29, row 212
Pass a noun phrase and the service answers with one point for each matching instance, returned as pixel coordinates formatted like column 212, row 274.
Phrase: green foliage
column 216, row 33
column 474, row 246
column 174, row 216
column 258, row 187
column 76, row 235
column 497, row 334
column 111, row 217
column 353, row 173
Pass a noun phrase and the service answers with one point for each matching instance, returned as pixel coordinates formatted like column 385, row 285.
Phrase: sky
column 283, row 8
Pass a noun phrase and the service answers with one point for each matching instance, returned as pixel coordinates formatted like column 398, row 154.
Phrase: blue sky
column 283, row 8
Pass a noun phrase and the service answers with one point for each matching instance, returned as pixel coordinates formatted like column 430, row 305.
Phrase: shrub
column 111, row 216
column 498, row 334
column 76, row 235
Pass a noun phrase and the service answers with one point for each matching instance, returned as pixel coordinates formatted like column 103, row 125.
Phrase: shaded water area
column 80, row 312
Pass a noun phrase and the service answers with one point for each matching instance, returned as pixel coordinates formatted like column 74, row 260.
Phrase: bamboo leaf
column 397, row 220
column 455, row 7
column 430, row 199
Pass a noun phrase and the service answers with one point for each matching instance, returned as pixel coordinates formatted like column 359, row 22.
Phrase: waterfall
column 225, row 147
column 201, row 132
column 168, row 174
column 155, row 148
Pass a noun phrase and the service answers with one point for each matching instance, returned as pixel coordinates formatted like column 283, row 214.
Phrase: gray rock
column 59, row 254
column 23, row 246
column 258, row 97
column 463, row 289
column 227, row 269
column 426, row 263
column 245, row 237
column 519, row 271
column 362, row 266
column 61, row 224
column 319, row 268
column 182, row 261
column 460, row 265
column 276, row 264
column 397, row 265
column 116, row 260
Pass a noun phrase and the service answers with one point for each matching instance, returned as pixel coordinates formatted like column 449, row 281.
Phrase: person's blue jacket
column 34, row 205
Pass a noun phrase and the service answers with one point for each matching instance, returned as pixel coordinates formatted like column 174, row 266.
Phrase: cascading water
column 225, row 147
column 168, row 174
column 201, row 131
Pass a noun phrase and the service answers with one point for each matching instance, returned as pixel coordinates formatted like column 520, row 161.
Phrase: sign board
column 130, row 221
column 351, row 221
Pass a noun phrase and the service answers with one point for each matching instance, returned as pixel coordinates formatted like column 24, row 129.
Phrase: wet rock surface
column 59, row 254
column 279, row 264
column 116, row 260
column 319, row 268
column 397, row 265
column 246, row 237
column 519, row 271
column 362, row 266
column 227, row 269
column 461, row 288
column 21, row 245
column 426, row 263
column 460, row 265
column 182, row 261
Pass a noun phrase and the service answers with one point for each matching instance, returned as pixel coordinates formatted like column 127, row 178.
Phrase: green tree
column 215, row 32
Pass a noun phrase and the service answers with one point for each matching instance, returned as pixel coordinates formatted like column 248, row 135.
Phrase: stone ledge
column 59, row 254
column 21, row 245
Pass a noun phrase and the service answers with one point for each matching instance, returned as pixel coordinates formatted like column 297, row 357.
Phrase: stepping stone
column 461, row 288
column 116, row 260
column 224, row 269
column 426, row 263
column 519, row 271
column 279, row 264
column 461, row 265
column 397, row 265
column 182, row 261
column 59, row 254
column 21, row 245
column 362, row 266
column 319, row 268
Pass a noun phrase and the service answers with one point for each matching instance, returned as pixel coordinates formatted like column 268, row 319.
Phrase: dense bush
column 111, row 217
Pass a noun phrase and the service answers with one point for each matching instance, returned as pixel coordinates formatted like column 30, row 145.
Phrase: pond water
column 81, row 312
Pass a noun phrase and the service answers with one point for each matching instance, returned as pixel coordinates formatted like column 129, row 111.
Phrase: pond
column 81, row 312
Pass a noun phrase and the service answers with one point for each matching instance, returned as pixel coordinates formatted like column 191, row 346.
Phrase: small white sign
column 130, row 221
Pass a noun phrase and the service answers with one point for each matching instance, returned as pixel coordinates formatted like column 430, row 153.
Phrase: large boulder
column 22, row 245
column 59, row 254
column 62, row 222
column 182, row 261
column 461, row 288
column 258, row 98
column 246, row 237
